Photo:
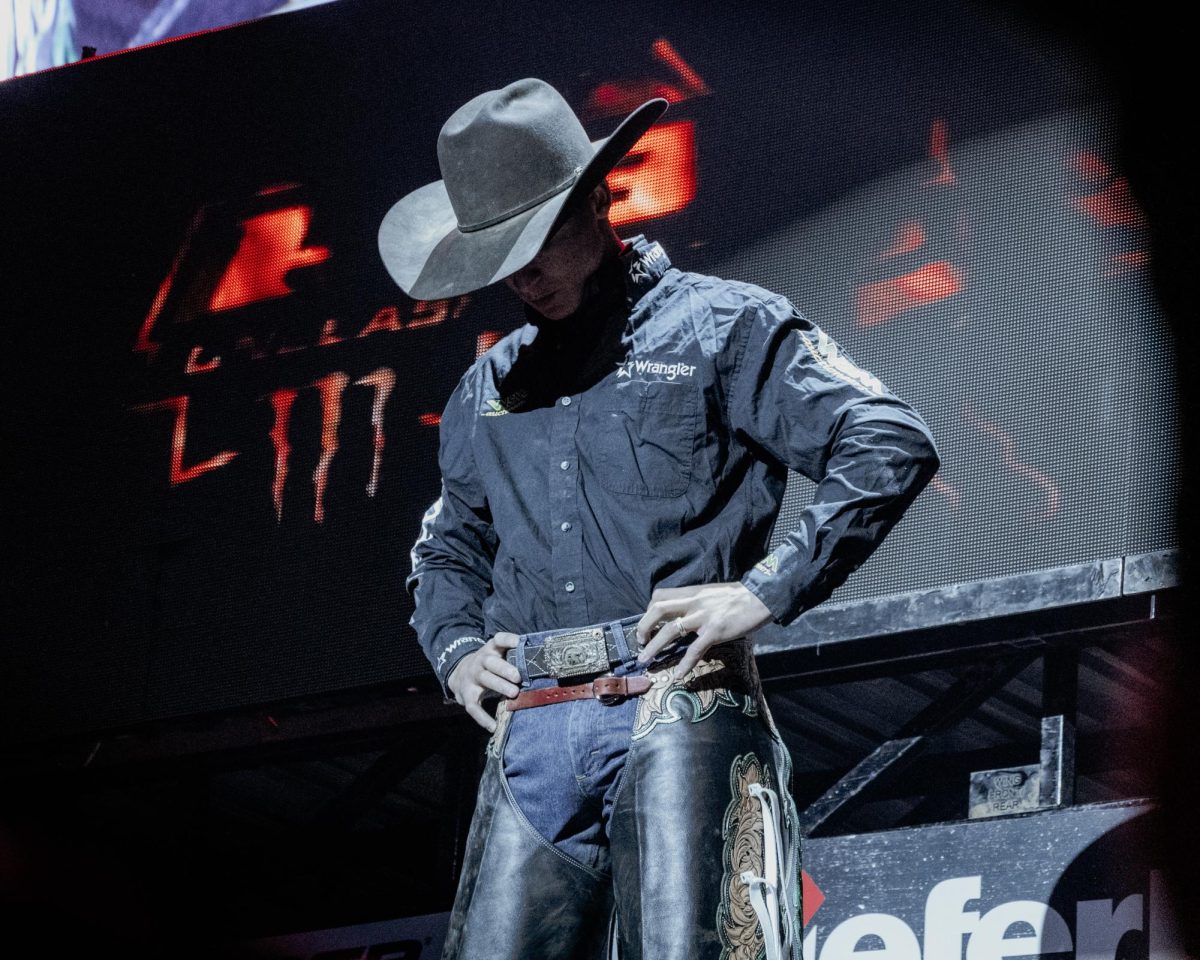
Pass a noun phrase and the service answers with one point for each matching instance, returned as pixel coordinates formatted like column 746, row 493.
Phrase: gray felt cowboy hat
column 511, row 160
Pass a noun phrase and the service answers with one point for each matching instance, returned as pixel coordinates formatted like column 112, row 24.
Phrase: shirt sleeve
column 796, row 396
column 454, row 552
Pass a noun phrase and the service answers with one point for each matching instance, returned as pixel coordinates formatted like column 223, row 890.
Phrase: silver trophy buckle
column 575, row 653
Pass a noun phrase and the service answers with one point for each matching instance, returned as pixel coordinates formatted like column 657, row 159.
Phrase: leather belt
column 605, row 689
column 576, row 653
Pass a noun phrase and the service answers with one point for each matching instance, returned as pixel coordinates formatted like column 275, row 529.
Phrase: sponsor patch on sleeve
column 498, row 408
column 768, row 565
column 830, row 358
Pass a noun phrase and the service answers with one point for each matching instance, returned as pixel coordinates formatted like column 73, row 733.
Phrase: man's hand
column 483, row 672
column 714, row 612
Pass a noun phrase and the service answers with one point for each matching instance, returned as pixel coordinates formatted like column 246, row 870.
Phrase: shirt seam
column 735, row 377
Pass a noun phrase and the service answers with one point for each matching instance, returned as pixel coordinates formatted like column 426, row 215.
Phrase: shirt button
column 566, row 525
column 566, row 464
column 566, row 401
column 569, row 586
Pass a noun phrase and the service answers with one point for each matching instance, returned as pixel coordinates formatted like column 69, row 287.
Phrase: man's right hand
column 483, row 673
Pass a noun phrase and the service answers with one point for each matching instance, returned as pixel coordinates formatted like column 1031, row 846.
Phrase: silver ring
column 679, row 626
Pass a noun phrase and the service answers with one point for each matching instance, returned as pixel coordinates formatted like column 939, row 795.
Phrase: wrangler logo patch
column 640, row 270
column 655, row 368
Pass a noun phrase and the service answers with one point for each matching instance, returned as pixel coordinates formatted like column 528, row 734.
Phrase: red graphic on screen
column 939, row 152
column 1010, row 459
column 429, row 419
column 947, row 490
column 909, row 238
column 264, row 263
column 178, row 472
column 877, row 302
column 1120, row 264
column 1112, row 203
column 143, row 343
column 657, row 177
column 425, row 313
column 329, row 335
column 196, row 365
column 272, row 245
column 623, row 96
column 485, row 341
column 281, row 403
column 1106, row 199
column 384, row 381
column 330, row 388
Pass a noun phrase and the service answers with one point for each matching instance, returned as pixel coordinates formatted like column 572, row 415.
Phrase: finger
column 655, row 647
column 498, row 684
column 650, row 620
column 502, row 668
column 692, row 656
column 505, row 641
column 659, row 610
column 480, row 716
column 668, row 634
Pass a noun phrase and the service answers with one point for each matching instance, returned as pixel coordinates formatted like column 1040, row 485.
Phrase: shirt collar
column 644, row 262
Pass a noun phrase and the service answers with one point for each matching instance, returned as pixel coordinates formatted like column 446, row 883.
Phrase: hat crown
column 506, row 150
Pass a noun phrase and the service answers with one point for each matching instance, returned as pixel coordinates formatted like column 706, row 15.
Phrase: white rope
column 779, row 874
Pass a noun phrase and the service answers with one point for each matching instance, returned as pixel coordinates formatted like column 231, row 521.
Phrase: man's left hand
column 714, row 612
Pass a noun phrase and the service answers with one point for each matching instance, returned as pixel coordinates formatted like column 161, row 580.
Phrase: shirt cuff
column 448, row 659
column 767, row 581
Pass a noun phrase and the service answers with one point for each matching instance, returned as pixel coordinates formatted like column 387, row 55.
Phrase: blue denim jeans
column 564, row 761
column 642, row 823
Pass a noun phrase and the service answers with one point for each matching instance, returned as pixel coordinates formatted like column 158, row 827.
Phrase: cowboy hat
column 511, row 160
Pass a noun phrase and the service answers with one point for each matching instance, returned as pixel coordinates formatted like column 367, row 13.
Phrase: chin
column 559, row 311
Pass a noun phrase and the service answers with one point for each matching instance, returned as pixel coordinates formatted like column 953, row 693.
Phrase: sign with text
column 1078, row 883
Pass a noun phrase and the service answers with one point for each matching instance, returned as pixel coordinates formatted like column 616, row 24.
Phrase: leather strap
column 600, row 689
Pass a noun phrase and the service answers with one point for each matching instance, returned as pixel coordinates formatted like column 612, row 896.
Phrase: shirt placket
column 566, row 553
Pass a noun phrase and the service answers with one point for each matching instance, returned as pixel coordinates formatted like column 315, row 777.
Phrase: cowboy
column 611, row 470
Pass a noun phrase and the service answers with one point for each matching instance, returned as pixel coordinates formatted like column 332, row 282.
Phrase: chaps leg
column 518, row 897
column 690, row 848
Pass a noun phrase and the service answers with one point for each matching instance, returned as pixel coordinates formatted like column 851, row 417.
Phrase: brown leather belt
column 607, row 689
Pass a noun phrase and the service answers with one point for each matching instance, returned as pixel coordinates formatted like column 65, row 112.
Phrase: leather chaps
column 702, row 861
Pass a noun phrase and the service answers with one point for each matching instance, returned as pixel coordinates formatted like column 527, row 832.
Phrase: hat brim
column 431, row 259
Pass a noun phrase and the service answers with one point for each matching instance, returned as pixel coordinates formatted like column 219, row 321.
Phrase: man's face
column 552, row 282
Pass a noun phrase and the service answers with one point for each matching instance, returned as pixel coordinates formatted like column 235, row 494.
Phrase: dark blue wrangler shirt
column 644, row 442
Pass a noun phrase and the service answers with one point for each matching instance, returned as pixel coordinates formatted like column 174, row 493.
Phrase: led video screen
column 221, row 414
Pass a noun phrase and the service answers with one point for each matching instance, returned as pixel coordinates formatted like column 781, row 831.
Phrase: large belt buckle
column 575, row 653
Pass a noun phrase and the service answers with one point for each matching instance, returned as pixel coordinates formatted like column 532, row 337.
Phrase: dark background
column 1046, row 375
column 104, row 166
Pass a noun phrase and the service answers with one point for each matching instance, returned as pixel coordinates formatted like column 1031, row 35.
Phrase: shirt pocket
column 643, row 441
